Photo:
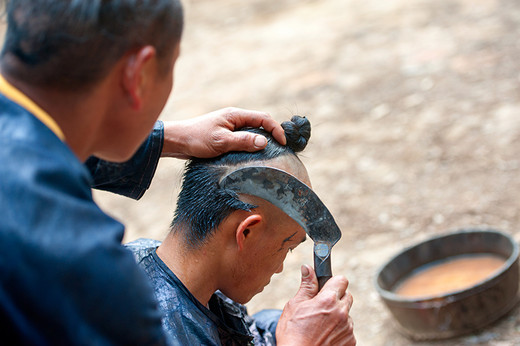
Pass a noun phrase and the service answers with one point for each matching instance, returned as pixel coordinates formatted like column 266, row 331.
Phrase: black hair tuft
column 297, row 132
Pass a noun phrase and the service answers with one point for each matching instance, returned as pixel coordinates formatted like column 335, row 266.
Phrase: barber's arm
column 213, row 134
column 205, row 136
column 133, row 177
column 317, row 318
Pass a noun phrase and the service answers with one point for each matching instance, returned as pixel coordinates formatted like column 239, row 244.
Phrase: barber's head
column 72, row 44
column 259, row 235
column 113, row 58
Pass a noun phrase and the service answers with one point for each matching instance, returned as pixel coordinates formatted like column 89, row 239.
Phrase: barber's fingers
column 239, row 118
column 243, row 141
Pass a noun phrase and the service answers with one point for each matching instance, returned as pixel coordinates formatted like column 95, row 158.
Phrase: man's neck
column 197, row 269
column 79, row 116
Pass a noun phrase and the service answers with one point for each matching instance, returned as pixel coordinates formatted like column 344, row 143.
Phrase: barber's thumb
column 246, row 141
column 309, row 284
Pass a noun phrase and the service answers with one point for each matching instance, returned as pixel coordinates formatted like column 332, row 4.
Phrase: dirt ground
column 416, row 126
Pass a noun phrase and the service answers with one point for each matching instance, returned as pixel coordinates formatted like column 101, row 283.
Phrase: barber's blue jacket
column 65, row 278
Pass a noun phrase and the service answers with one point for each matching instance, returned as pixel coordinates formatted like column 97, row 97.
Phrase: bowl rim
column 389, row 296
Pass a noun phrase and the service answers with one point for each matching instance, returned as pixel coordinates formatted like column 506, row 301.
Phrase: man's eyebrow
column 290, row 238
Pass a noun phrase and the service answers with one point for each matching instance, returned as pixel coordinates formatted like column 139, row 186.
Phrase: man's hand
column 213, row 134
column 313, row 318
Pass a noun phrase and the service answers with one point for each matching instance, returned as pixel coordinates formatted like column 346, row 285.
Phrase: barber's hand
column 313, row 318
column 212, row 134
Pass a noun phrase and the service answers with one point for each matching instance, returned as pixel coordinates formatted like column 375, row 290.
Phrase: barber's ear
column 136, row 73
column 246, row 228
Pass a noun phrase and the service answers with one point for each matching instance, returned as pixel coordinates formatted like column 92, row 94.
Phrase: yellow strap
column 17, row 96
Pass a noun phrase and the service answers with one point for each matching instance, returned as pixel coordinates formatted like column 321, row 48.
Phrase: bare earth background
column 415, row 107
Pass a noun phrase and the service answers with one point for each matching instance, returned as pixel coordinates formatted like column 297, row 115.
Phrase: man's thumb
column 309, row 285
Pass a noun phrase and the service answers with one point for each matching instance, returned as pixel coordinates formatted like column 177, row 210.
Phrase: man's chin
column 115, row 157
column 246, row 299
column 260, row 290
column 243, row 297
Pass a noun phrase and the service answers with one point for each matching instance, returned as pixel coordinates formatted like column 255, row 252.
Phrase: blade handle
column 322, row 263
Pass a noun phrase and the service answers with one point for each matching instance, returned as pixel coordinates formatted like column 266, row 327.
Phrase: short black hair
column 202, row 205
column 71, row 44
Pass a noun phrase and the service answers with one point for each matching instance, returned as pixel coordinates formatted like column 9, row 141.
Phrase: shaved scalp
column 71, row 44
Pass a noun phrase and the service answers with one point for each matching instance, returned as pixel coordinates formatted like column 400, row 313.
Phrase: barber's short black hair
column 71, row 44
column 202, row 205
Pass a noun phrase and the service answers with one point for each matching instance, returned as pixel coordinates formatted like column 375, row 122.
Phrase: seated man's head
column 247, row 237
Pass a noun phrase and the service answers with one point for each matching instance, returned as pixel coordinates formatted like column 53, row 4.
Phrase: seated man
column 223, row 249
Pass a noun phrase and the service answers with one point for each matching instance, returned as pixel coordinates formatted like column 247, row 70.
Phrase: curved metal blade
column 290, row 195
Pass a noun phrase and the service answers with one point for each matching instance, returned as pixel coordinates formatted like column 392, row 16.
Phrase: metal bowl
column 458, row 312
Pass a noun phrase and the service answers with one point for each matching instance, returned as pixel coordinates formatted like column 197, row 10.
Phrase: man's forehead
column 292, row 165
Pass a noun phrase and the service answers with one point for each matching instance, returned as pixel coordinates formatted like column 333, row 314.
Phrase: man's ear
column 135, row 74
column 245, row 229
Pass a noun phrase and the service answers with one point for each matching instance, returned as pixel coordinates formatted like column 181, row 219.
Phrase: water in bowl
column 448, row 275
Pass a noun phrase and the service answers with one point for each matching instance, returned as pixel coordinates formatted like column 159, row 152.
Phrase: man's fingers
column 337, row 284
column 309, row 284
column 318, row 318
column 240, row 118
column 346, row 337
column 348, row 299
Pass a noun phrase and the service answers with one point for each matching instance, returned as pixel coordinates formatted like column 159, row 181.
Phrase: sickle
column 298, row 201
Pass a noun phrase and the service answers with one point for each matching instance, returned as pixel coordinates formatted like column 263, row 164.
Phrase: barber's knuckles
column 219, row 141
column 237, row 118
